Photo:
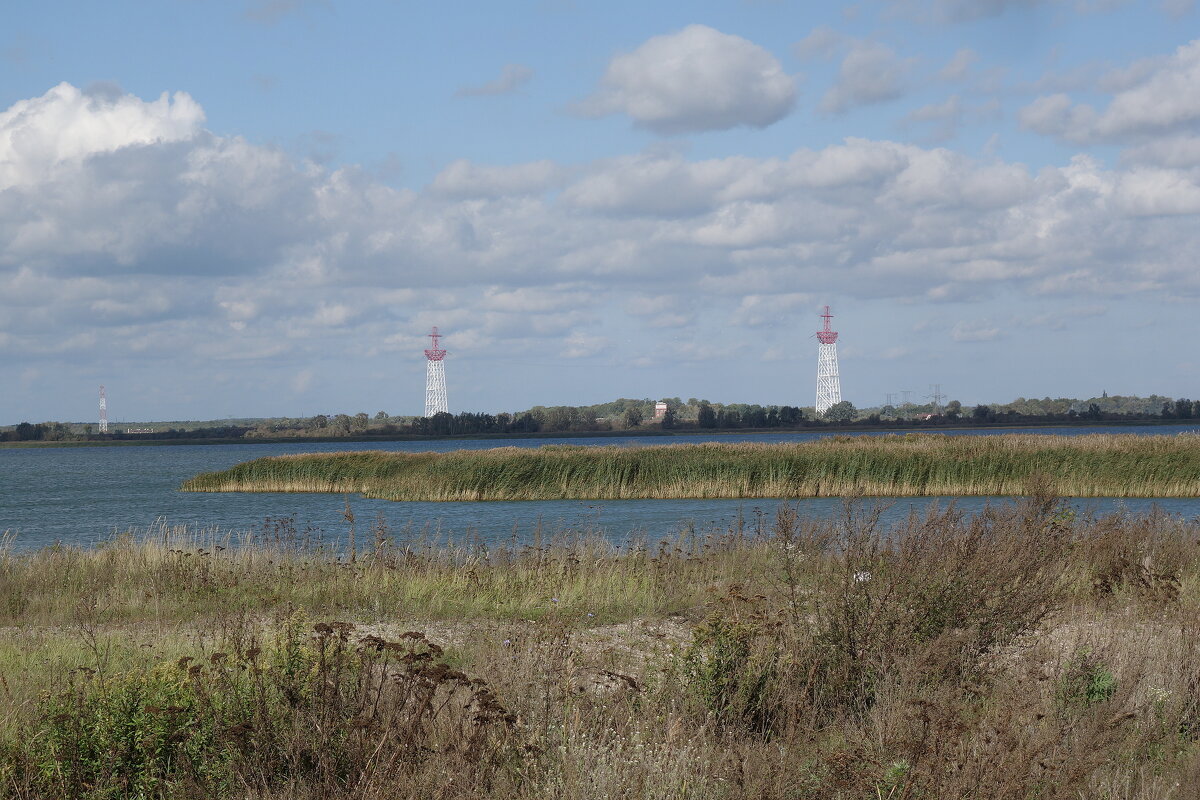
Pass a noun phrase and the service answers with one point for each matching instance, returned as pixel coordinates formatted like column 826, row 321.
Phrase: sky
column 232, row 208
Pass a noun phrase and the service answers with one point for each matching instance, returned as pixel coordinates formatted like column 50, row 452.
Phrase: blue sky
column 592, row 200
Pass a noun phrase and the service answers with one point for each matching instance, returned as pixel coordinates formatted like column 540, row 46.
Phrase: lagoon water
column 83, row 495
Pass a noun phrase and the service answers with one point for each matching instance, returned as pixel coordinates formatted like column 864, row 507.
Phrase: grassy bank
column 1020, row 653
column 1102, row 465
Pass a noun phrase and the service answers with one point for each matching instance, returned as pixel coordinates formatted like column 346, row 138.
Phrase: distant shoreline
column 412, row 437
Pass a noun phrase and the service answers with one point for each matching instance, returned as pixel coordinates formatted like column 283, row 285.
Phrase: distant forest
column 629, row 415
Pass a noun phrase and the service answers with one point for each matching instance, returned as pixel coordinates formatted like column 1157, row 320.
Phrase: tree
column 982, row 414
column 361, row 420
column 841, row 412
column 633, row 417
column 668, row 420
column 953, row 410
column 381, row 416
column 705, row 416
column 789, row 416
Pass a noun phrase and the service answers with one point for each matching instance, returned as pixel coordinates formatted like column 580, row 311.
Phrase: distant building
column 660, row 410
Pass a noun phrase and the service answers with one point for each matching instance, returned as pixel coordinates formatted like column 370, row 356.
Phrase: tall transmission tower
column 103, row 411
column 435, row 378
column 829, row 385
column 935, row 394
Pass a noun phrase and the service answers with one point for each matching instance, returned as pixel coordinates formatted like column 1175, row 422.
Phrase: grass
column 1023, row 652
column 1098, row 465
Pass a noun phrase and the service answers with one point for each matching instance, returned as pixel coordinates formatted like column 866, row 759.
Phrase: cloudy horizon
column 260, row 208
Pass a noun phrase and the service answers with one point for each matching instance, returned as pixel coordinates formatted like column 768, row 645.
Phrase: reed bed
column 1097, row 465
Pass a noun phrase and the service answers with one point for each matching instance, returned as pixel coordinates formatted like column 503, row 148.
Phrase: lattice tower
column 103, row 411
column 829, row 386
column 435, row 378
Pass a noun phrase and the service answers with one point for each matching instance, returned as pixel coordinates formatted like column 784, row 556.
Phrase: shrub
column 321, row 711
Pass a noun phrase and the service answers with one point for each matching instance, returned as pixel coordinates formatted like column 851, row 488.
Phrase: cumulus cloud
column 758, row 310
column 1157, row 98
column 66, row 125
column 512, row 77
column 870, row 73
column 155, row 235
column 462, row 178
column 661, row 311
column 698, row 79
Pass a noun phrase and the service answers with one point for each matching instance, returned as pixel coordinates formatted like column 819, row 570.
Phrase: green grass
column 1098, row 465
column 1021, row 652
column 168, row 576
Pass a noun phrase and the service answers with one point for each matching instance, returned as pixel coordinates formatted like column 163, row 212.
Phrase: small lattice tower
column 435, row 378
column 103, row 411
column 829, row 385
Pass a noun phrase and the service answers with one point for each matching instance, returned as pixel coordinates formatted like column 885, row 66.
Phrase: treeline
column 644, row 415
column 61, row 432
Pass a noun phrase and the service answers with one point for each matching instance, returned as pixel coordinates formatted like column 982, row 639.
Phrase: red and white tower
column 829, row 385
column 103, row 411
column 435, row 378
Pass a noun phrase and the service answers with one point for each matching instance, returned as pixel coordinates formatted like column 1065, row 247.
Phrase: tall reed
column 1097, row 465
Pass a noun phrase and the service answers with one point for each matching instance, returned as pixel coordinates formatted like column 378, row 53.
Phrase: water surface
column 82, row 495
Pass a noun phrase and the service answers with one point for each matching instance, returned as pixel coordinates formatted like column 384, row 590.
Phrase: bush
column 319, row 711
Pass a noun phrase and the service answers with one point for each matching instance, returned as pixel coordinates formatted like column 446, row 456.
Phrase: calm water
column 82, row 495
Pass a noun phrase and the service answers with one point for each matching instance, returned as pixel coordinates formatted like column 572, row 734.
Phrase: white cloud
column 462, row 178
column 974, row 332
column 697, row 79
column 661, row 311
column 196, row 246
column 532, row 300
column 582, row 345
column 758, row 310
column 1151, row 192
column 511, row 78
column 1157, row 98
column 66, row 125
column 870, row 73
column 823, row 42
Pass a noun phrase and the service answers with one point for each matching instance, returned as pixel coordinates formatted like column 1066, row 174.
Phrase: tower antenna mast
column 829, row 385
column 435, row 377
column 103, row 411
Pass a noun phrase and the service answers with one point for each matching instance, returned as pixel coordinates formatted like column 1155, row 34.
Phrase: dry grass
column 1018, row 653
column 1097, row 465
